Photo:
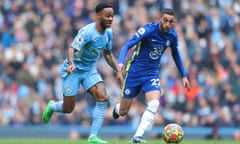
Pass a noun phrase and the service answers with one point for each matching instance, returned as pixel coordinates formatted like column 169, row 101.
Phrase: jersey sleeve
column 80, row 39
column 138, row 36
column 109, row 39
column 177, row 58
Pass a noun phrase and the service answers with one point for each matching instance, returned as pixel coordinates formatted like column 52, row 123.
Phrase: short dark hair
column 101, row 6
column 167, row 11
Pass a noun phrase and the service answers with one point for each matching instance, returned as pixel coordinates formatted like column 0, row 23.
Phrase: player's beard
column 104, row 25
column 163, row 30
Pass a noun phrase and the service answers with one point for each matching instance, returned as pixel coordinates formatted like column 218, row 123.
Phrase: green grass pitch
column 114, row 141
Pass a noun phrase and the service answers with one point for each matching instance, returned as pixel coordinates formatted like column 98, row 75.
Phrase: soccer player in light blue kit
column 142, row 71
column 79, row 68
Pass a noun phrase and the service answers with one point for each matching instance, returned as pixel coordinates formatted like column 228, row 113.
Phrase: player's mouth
column 108, row 24
column 165, row 30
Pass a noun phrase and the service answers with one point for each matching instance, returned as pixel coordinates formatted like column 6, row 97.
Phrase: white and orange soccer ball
column 173, row 133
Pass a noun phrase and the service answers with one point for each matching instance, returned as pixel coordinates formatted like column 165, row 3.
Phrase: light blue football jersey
column 89, row 44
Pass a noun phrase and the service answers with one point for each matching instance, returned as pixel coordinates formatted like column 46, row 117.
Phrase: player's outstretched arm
column 71, row 66
column 110, row 59
column 186, row 83
column 120, row 74
column 112, row 62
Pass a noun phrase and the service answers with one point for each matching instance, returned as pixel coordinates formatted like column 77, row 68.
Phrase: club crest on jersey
column 68, row 90
column 168, row 43
column 127, row 91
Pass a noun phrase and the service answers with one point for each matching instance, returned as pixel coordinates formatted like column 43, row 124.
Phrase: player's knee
column 68, row 109
column 153, row 105
column 68, row 103
column 102, row 99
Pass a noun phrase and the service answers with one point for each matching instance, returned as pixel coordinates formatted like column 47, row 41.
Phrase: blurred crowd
column 35, row 36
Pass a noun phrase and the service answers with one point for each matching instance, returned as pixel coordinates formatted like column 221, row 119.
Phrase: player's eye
column 109, row 16
column 165, row 20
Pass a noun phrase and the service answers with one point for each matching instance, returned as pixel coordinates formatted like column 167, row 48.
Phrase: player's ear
column 98, row 14
column 159, row 18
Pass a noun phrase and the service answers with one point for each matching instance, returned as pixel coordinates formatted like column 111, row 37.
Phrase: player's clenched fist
column 71, row 68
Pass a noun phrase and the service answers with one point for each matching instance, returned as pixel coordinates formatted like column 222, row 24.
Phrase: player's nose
column 168, row 24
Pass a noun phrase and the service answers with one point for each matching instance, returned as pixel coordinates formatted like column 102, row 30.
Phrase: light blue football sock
column 98, row 117
column 57, row 106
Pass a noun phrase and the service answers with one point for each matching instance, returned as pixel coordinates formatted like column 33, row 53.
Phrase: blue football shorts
column 71, row 83
column 133, row 85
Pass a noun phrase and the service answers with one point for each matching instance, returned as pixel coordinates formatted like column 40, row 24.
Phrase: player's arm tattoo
column 70, row 55
column 110, row 59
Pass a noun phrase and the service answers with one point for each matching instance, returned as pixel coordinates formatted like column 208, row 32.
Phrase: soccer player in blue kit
column 142, row 70
column 79, row 68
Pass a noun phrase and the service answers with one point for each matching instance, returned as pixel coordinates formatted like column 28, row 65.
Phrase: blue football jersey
column 150, row 45
column 89, row 44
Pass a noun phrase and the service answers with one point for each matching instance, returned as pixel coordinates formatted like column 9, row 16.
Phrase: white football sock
column 57, row 106
column 147, row 118
column 117, row 108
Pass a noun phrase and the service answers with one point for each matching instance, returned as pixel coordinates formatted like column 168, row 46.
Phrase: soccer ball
column 173, row 133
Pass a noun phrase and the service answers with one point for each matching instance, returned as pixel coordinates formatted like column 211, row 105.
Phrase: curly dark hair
column 101, row 6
